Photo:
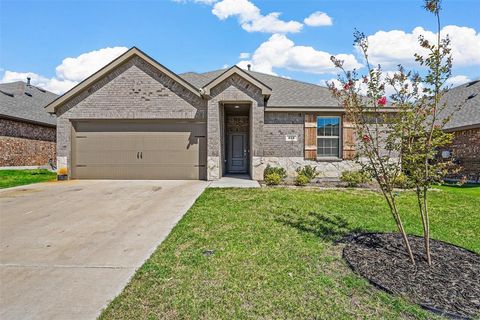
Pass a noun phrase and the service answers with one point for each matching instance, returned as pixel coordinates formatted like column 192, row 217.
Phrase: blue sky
column 203, row 35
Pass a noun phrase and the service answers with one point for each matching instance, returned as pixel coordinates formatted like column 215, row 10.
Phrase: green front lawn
column 12, row 178
column 275, row 257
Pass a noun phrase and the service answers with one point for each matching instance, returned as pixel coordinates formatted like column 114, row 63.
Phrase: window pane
column 320, row 126
column 328, row 136
column 328, row 126
column 328, row 147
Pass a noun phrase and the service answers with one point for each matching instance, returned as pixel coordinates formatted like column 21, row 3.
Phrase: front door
column 237, row 153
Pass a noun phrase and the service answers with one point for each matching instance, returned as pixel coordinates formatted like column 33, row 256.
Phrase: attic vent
column 28, row 94
column 473, row 95
column 40, row 89
column 7, row 93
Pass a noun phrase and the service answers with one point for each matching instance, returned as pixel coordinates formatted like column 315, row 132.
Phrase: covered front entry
column 139, row 149
column 237, row 140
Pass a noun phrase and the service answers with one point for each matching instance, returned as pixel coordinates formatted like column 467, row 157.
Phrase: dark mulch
column 451, row 286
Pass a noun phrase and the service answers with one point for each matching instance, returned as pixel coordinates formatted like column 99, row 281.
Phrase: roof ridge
column 265, row 74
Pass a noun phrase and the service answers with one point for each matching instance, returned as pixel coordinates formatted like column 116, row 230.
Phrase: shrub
column 272, row 179
column 402, row 182
column 308, row 171
column 302, row 180
column 354, row 178
column 282, row 173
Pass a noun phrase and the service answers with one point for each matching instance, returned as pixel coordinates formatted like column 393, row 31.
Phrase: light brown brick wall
column 277, row 126
column 135, row 90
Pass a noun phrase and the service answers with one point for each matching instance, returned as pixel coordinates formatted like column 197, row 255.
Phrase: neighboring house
column 465, row 125
column 136, row 119
column 27, row 131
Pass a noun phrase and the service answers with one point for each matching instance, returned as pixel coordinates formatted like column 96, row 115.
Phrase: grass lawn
column 275, row 256
column 12, row 178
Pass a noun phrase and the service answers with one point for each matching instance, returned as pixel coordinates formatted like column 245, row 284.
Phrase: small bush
column 273, row 179
column 278, row 170
column 308, row 171
column 302, row 180
column 354, row 178
column 402, row 182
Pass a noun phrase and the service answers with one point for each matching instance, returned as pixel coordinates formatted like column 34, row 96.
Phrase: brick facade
column 239, row 90
column 465, row 150
column 137, row 90
column 277, row 126
column 25, row 152
column 26, row 144
column 13, row 128
column 134, row 90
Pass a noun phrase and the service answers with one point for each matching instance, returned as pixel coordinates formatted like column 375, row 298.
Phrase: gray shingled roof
column 19, row 101
column 285, row 92
column 467, row 96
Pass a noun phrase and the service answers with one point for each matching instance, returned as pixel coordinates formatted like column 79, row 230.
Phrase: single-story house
column 465, row 125
column 136, row 119
column 27, row 131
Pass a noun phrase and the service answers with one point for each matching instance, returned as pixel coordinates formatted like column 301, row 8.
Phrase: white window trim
column 339, row 137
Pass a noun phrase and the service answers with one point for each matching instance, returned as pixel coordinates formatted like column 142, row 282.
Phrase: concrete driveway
column 68, row 248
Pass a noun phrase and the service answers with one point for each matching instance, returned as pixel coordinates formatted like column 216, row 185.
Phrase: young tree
column 425, row 134
column 402, row 136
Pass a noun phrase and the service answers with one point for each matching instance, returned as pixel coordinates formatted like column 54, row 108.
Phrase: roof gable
column 286, row 93
column 266, row 90
column 132, row 52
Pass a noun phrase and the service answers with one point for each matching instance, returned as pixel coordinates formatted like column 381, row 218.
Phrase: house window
column 328, row 137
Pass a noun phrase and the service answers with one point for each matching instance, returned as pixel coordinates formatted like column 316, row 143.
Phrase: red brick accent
column 465, row 150
column 25, row 152
column 19, row 129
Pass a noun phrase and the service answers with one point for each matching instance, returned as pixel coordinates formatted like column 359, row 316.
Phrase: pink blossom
column 382, row 101
column 346, row 86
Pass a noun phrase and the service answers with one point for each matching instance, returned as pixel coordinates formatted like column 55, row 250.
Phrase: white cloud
column 84, row 65
column 281, row 52
column 318, row 19
column 390, row 48
column 363, row 87
column 457, row 80
column 244, row 55
column 51, row 84
column 251, row 19
column 70, row 72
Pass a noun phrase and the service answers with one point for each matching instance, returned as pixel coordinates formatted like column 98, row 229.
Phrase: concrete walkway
column 235, row 181
column 68, row 248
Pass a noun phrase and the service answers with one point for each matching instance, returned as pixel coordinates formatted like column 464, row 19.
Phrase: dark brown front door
column 237, row 156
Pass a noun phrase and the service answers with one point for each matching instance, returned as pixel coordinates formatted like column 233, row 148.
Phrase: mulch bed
column 451, row 286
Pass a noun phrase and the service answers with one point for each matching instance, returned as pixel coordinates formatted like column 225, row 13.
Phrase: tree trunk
column 401, row 229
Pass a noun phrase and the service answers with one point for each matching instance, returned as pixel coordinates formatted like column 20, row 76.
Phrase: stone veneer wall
column 134, row 90
column 326, row 169
column 465, row 150
column 25, row 144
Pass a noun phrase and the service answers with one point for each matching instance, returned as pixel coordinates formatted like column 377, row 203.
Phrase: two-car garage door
column 140, row 149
